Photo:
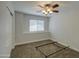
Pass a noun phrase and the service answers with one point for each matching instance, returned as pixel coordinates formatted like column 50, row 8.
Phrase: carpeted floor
column 30, row 51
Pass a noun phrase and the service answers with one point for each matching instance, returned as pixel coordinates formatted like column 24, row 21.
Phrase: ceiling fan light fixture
column 50, row 12
column 49, row 8
column 44, row 12
column 47, row 11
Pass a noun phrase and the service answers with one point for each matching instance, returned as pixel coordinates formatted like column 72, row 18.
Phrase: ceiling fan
column 49, row 8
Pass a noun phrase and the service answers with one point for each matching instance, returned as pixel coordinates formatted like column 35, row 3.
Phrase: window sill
column 36, row 32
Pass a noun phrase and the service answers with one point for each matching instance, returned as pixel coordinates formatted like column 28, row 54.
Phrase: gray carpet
column 29, row 51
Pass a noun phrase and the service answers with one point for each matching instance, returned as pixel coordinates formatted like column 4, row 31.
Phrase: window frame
column 37, row 31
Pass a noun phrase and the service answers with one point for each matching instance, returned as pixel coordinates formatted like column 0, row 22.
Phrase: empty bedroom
column 39, row 29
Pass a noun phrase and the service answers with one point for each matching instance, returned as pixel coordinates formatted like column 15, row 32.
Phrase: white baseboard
column 74, row 49
column 5, row 56
column 31, row 41
column 13, row 47
column 45, row 39
column 69, row 46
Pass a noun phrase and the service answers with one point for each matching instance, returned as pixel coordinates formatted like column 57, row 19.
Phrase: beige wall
column 64, row 26
column 22, row 33
column 5, row 29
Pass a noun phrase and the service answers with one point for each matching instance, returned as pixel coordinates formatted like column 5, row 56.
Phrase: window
column 36, row 25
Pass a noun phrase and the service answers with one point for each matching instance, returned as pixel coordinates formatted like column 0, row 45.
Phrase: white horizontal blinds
column 33, row 25
column 36, row 25
column 40, row 25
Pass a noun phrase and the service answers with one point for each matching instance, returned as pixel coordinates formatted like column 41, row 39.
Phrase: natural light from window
column 36, row 25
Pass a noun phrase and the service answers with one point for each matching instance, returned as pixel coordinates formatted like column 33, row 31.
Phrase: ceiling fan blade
column 40, row 6
column 48, row 5
column 56, row 11
column 56, row 5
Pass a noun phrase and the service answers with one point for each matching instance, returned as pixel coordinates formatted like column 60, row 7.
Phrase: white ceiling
column 31, row 7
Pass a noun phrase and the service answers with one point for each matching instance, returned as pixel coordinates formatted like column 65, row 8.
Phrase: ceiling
column 31, row 7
